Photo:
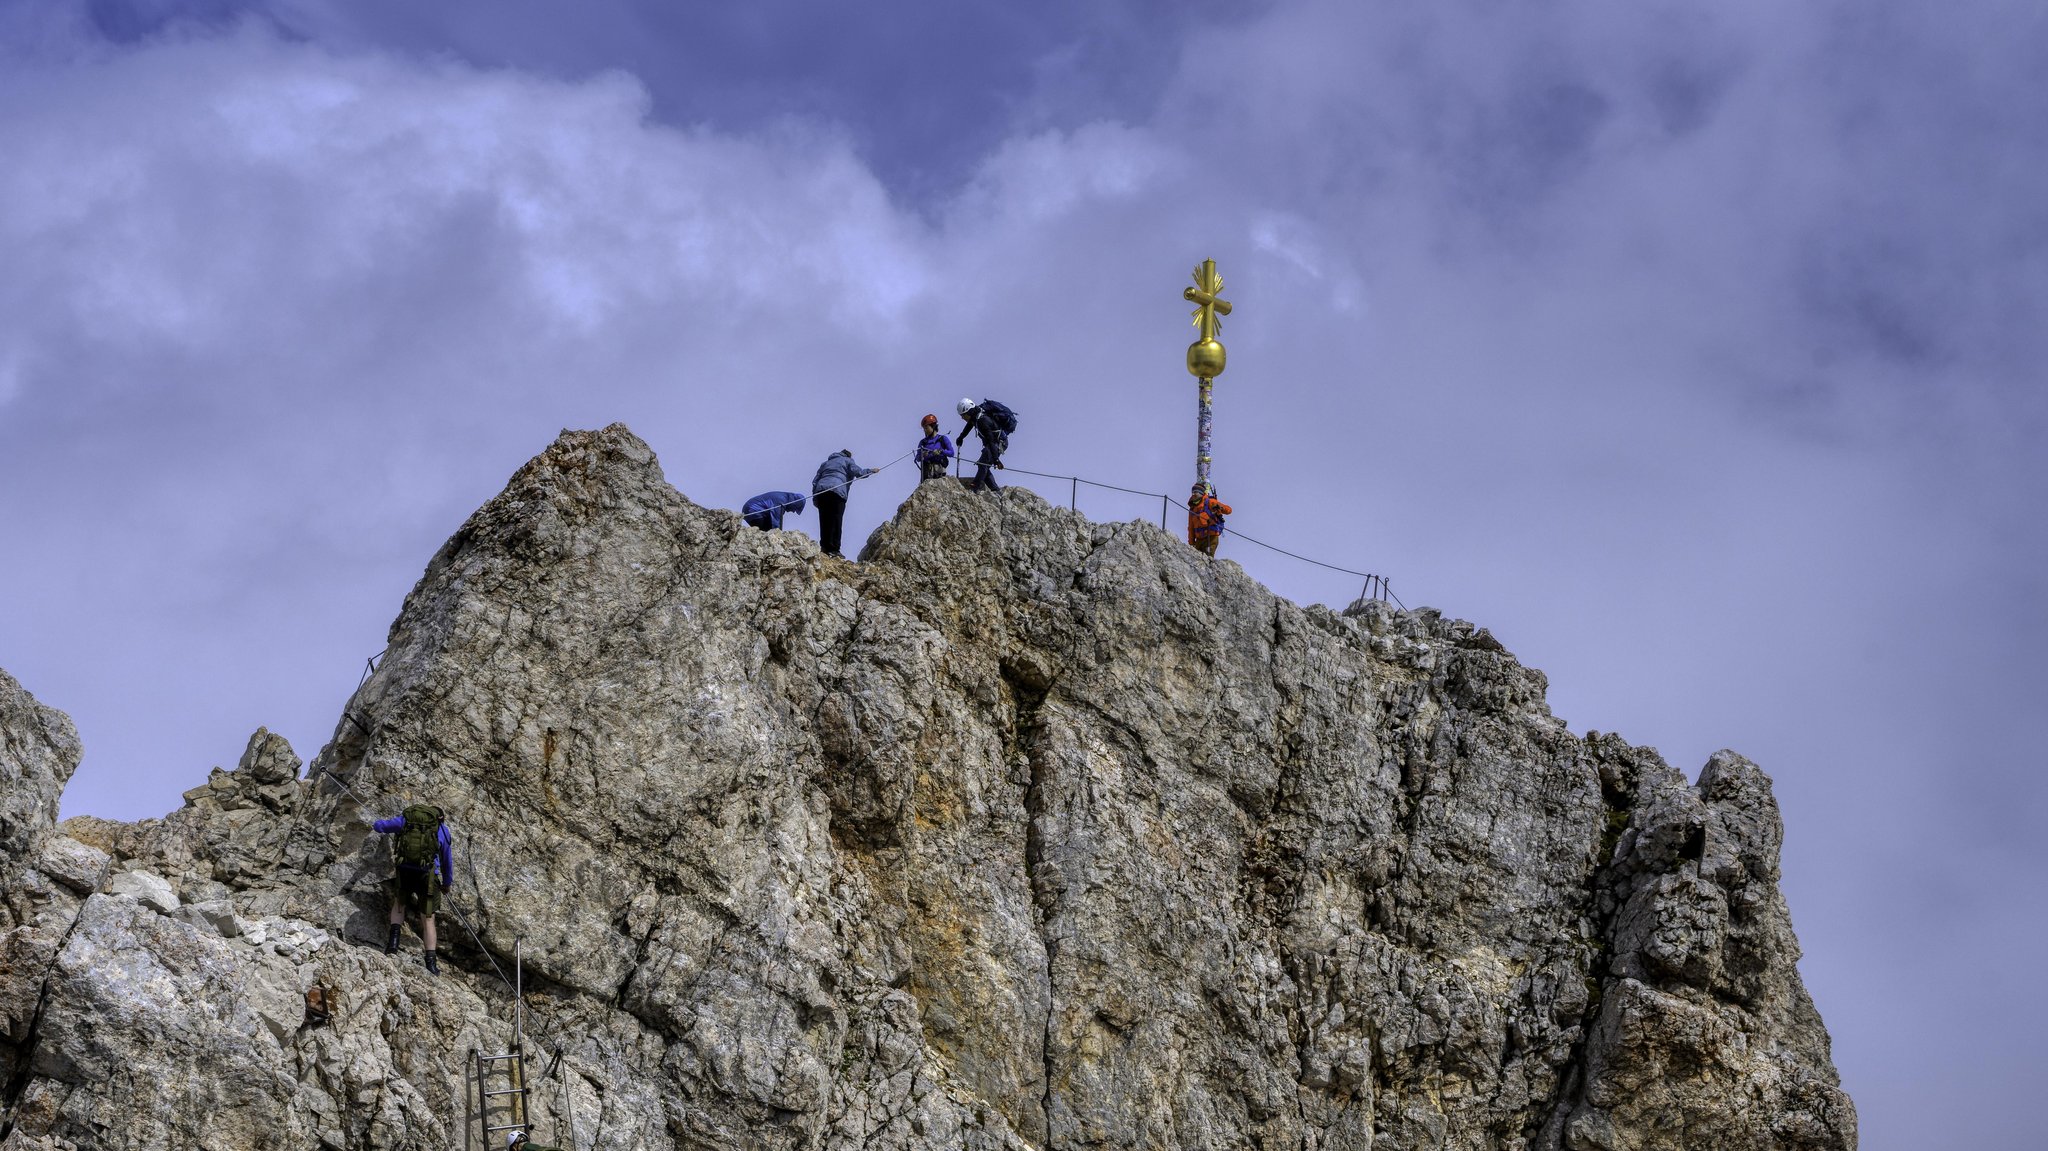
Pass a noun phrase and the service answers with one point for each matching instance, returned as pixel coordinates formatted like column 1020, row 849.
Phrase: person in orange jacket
column 1205, row 519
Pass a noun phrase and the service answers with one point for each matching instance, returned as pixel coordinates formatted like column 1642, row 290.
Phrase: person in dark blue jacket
column 422, row 841
column 765, row 511
column 828, row 489
column 985, row 419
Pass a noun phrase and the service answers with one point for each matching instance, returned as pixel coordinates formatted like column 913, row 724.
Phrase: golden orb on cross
column 1205, row 356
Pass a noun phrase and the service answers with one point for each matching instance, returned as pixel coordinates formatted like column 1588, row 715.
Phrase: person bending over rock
column 422, row 841
column 766, row 510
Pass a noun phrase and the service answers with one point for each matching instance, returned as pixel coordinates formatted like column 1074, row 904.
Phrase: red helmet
column 930, row 419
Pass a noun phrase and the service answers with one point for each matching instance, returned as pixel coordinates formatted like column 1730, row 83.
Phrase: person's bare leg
column 397, row 921
column 427, row 934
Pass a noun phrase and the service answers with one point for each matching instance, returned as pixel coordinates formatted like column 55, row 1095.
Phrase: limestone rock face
column 1023, row 832
column 39, row 750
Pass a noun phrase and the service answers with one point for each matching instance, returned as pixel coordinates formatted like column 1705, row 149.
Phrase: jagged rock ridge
column 1022, row 832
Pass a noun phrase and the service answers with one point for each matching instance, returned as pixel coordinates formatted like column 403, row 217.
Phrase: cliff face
column 1023, row 832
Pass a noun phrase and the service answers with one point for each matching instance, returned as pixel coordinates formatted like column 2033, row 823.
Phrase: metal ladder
column 500, row 1109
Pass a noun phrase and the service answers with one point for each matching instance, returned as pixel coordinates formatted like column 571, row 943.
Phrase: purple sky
column 1697, row 350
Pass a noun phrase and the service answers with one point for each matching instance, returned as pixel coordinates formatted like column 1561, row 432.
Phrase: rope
column 848, row 484
column 959, row 462
column 1086, row 480
column 563, row 1096
column 345, row 787
column 1318, row 563
column 488, row 957
column 1232, row 531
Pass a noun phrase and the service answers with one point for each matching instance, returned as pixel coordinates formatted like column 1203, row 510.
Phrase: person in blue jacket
column 828, row 489
column 934, row 451
column 422, row 841
column 765, row 511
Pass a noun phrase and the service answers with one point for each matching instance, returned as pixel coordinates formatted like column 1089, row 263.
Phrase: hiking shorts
column 418, row 890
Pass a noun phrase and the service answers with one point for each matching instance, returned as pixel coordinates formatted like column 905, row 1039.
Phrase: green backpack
column 418, row 846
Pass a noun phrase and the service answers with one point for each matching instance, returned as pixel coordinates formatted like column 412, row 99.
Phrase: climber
column 765, row 511
column 994, row 421
column 1205, row 518
column 517, row 1141
column 934, row 451
column 422, row 841
column 828, row 488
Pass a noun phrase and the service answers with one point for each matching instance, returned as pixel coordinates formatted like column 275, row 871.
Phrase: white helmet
column 516, row 1139
column 964, row 406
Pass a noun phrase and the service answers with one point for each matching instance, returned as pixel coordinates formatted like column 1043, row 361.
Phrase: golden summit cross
column 1207, row 293
column 1205, row 356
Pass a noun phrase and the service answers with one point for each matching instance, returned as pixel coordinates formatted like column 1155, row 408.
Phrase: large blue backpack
column 1000, row 414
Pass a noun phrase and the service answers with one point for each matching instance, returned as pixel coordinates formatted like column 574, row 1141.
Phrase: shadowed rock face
column 1022, row 832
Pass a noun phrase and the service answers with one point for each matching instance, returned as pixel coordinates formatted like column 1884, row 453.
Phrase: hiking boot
column 391, row 941
column 433, row 968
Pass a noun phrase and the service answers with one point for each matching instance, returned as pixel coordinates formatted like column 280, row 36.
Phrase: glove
column 444, row 887
column 998, row 465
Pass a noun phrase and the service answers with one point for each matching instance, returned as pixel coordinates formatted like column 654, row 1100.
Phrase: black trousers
column 991, row 453
column 831, row 511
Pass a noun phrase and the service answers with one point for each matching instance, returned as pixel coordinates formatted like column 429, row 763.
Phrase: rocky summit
column 1021, row 832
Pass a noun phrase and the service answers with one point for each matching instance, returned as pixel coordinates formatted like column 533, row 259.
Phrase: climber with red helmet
column 934, row 451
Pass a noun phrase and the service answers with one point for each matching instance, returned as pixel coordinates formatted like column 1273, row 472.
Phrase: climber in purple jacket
column 422, row 841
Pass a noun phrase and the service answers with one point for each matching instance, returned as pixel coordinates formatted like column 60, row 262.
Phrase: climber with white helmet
column 993, row 421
